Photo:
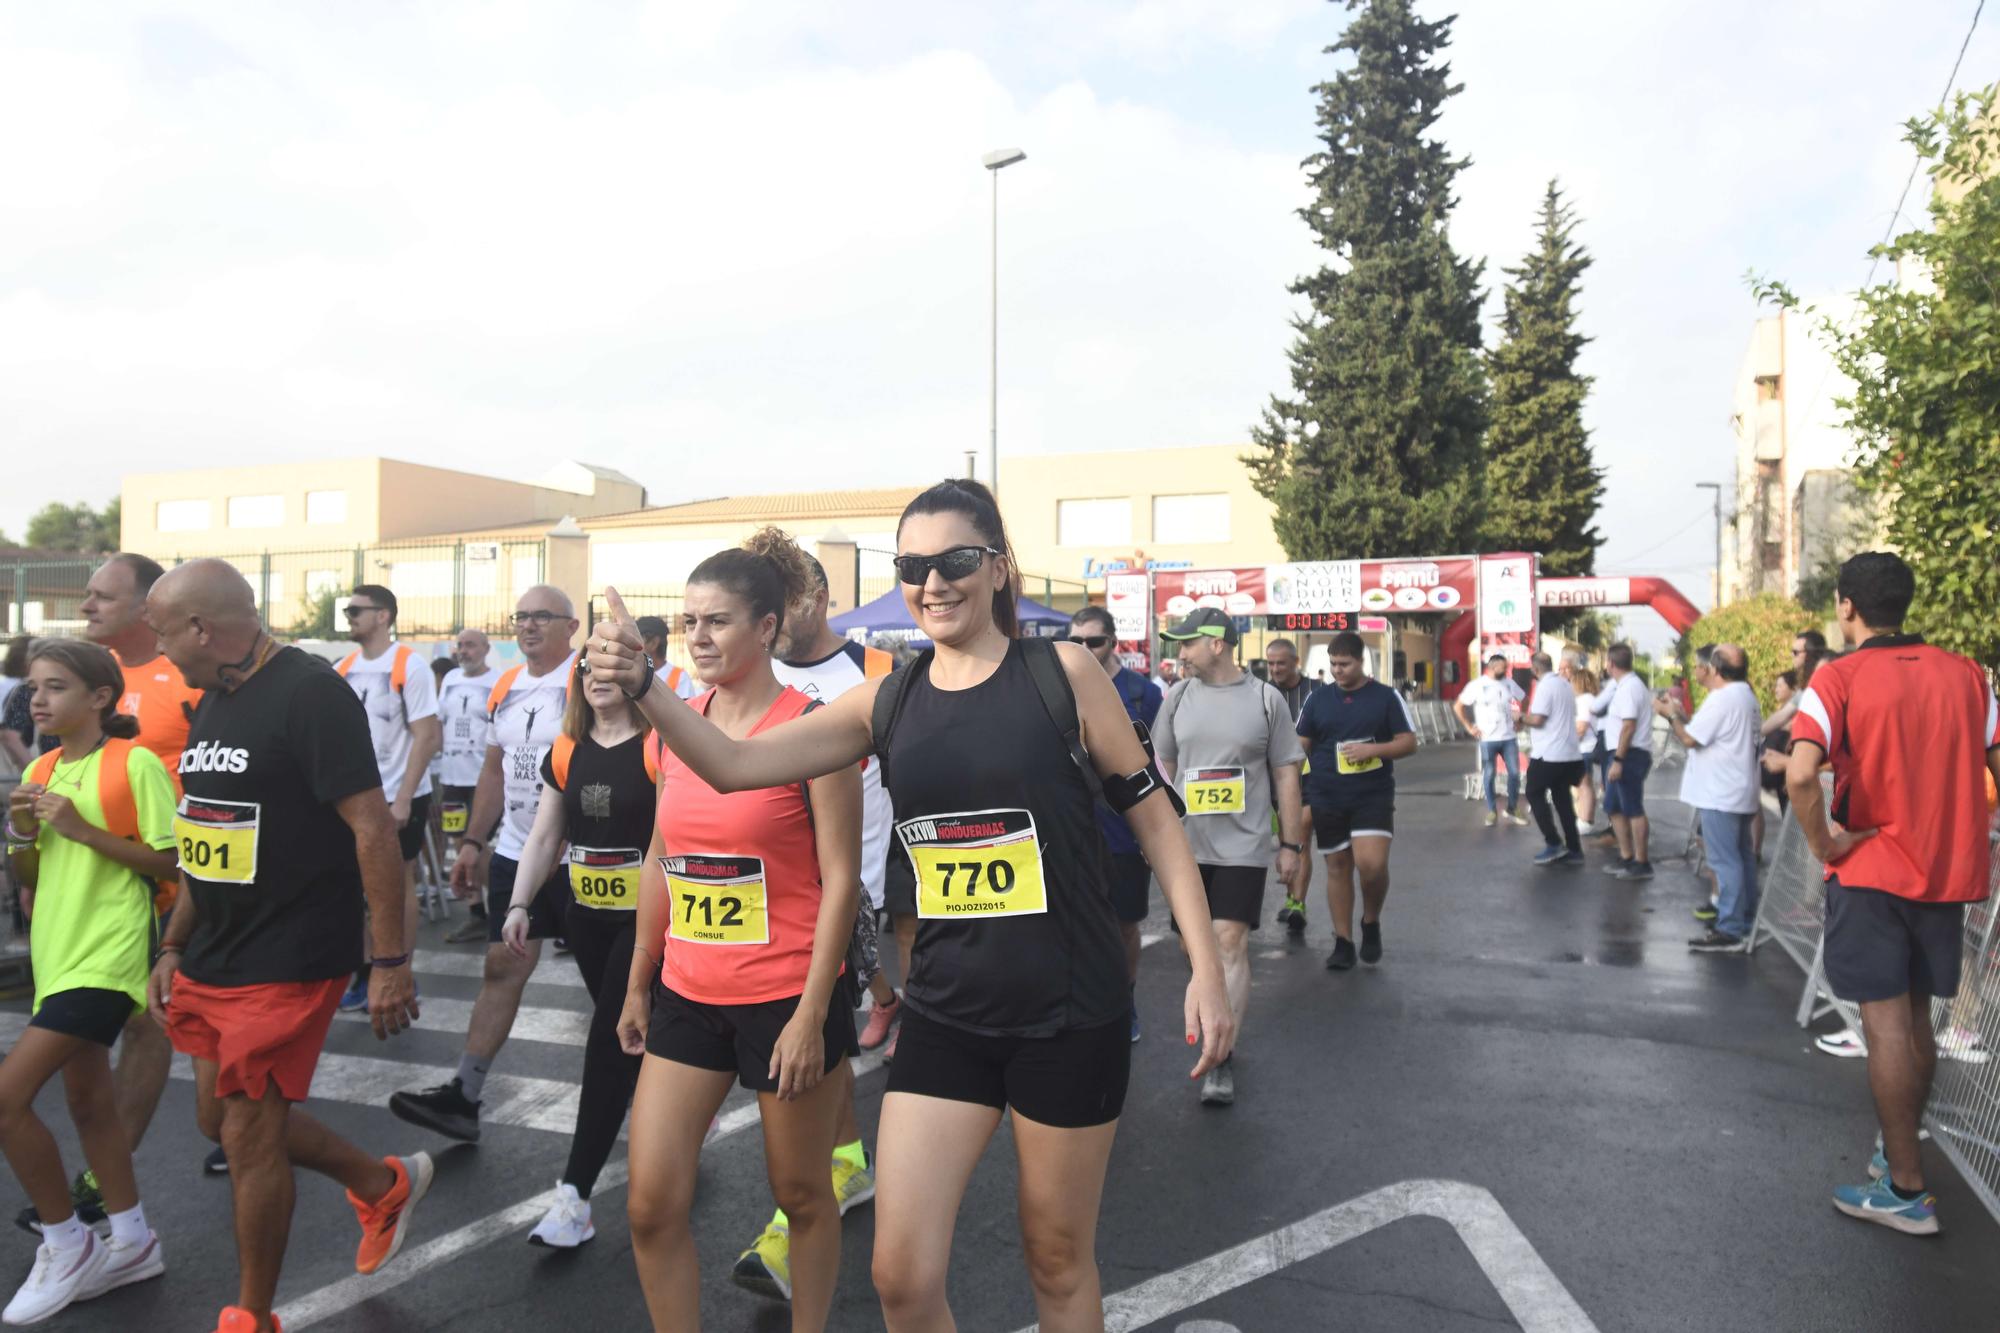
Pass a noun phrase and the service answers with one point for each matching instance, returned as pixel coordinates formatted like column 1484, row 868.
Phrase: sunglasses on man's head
column 1091, row 641
column 960, row 562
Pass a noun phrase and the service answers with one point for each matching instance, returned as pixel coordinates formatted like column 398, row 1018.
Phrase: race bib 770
column 973, row 866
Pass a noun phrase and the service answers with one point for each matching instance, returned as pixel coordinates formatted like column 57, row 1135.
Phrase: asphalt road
column 1539, row 1111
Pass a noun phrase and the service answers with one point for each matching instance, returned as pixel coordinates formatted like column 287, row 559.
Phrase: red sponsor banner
column 1239, row 592
column 1382, row 586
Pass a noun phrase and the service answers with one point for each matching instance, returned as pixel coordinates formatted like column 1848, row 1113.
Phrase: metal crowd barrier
column 1964, row 1113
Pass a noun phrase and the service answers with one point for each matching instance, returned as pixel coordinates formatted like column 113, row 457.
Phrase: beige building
column 349, row 502
column 1793, row 502
column 1075, row 516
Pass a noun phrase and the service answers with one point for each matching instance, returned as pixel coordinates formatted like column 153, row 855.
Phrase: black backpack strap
column 889, row 707
column 1060, row 701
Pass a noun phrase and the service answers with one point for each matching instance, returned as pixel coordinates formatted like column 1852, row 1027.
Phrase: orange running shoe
column 237, row 1320
column 384, row 1222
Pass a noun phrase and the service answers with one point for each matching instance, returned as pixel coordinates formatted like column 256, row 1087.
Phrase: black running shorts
column 1336, row 826
column 1880, row 946
column 410, row 837
column 1072, row 1080
column 739, row 1038
column 87, row 1012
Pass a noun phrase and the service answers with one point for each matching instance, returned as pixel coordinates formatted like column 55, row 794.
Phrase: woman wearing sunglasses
column 1016, row 995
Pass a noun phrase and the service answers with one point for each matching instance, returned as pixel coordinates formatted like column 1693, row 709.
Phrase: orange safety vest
column 399, row 669
column 114, row 786
column 506, row 683
column 564, row 747
column 875, row 662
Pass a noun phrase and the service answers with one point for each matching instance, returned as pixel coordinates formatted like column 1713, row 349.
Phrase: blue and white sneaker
column 1877, row 1202
column 354, row 999
column 1548, row 856
column 1878, row 1165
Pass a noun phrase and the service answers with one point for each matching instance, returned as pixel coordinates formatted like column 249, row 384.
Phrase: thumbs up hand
column 615, row 651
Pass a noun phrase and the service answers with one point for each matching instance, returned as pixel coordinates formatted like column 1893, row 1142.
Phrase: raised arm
column 824, row 741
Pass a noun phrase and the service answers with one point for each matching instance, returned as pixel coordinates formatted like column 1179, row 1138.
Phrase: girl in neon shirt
column 747, row 902
column 89, row 892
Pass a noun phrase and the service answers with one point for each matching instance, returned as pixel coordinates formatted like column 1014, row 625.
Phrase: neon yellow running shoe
column 852, row 1185
column 766, row 1267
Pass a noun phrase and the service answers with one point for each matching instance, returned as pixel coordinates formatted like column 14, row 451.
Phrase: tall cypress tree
column 1376, row 451
column 1542, row 481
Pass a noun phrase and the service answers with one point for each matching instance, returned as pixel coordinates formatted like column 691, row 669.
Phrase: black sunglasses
column 960, row 562
column 1091, row 641
column 356, row 612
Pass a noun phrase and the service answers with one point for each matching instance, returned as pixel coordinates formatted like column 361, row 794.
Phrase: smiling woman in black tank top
column 1017, row 989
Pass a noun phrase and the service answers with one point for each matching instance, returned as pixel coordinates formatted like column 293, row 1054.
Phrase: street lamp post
column 994, row 162
column 1715, row 486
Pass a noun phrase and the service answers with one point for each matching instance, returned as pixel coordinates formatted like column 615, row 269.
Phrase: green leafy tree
column 1542, row 481
column 1765, row 625
column 1924, row 357
column 317, row 622
column 77, row 527
column 1376, row 449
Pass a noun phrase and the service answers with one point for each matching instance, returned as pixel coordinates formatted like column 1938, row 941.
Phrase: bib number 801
column 201, row 855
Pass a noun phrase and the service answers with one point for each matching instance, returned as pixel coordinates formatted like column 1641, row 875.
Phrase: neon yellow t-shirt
column 93, row 924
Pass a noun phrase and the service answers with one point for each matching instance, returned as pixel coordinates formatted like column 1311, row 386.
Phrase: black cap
column 1210, row 622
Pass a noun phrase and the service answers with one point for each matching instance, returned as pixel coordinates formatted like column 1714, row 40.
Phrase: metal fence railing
column 1964, row 1113
column 440, row 586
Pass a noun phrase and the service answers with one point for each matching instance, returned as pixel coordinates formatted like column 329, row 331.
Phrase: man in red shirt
column 1908, row 729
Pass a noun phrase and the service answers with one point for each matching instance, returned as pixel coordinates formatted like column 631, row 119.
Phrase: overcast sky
column 733, row 247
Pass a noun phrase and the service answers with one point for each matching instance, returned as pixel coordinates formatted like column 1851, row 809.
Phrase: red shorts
column 254, row 1035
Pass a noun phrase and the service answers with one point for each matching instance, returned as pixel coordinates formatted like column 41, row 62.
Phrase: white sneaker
column 1962, row 1044
column 125, row 1264
column 567, row 1223
column 57, row 1278
column 1844, row 1044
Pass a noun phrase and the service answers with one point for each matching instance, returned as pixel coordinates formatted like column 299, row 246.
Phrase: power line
column 1699, row 517
column 1889, row 232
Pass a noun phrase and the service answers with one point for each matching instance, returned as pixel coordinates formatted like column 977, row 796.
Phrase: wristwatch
column 1292, row 846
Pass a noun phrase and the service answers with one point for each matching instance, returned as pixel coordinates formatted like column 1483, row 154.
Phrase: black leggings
column 601, row 943
column 1550, row 781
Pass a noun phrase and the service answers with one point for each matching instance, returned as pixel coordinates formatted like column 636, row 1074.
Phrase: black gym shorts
column 1131, row 884
column 739, row 1038
column 87, row 1012
column 1335, row 826
column 1071, row 1080
column 545, row 909
column 410, row 837
column 1880, row 946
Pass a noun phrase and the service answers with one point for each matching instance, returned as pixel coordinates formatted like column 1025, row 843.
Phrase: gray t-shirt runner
column 1223, row 743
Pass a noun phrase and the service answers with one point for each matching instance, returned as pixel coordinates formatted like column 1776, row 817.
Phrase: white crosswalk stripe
column 564, row 1027
column 553, row 971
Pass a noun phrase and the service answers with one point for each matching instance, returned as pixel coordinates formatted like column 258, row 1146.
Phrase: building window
column 1093, row 522
column 256, row 511
column 326, row 506
column 181, row 515
column 1190, row 519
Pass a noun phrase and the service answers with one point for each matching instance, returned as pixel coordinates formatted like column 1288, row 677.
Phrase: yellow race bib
column 217, row 840
column 1347, row 765
column 606, row 877
column 987, row 863
column 452, row 817
column 716, row 899
column 1213, row 791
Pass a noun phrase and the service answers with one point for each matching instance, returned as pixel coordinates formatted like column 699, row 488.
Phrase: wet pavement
column 1539, row 1111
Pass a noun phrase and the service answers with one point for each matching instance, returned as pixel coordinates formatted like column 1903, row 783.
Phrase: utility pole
column 1715, row 486
column 994, row 162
